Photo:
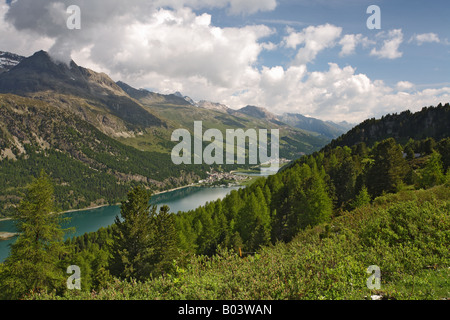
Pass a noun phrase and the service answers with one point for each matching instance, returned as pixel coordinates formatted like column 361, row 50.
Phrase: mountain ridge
column 40, row 73
column 9, row 60
column 328, row 129
column 429, row 122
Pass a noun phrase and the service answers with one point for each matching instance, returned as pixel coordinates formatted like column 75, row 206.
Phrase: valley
column 67, row 119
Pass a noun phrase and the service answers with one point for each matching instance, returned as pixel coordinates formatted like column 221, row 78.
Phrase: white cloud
column 314, row 39
column 425, row 38
column 349, row 42
column 19, row 42
column 167, row 44
column 177, row 49
column 390, row 48
column 269, row 46
column 251, row 6
column 336, row 94
column 404, row 85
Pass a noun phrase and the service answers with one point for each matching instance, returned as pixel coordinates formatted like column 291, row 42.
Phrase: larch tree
column 34, row 263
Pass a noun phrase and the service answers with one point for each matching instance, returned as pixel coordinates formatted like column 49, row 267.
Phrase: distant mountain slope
column 328, row 129
column 9, row 60
column 343, row 125
column 256, row 112
column 188, row 99
column 40, row 73
column 89, row 167
column 430, row 122
column 180, row 113
column 139, row 118
column 212, row 105
column 152, row 97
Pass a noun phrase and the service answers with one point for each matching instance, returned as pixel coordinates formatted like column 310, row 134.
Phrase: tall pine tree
column 132, row 237
column 35, row 259
column 388, row 169
column 163, row 242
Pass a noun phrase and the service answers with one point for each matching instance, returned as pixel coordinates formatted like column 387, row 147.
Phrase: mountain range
column 85, row 129
column 40, row 73
column 430, row 122
column 9, row 60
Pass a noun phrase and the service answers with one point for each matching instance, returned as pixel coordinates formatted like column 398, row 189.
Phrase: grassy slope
column 405, row 234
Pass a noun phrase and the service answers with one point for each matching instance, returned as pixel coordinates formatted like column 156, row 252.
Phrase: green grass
column 425, row 284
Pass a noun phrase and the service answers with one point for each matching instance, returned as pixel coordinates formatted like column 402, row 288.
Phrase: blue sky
column 317, row 58
column 425, row 64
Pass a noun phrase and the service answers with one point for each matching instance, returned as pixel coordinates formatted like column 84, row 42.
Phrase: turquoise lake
column 90, row 220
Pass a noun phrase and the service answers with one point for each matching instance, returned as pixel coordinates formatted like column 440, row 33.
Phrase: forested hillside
column 88, row 167
column 311, row 191
column 430, row 122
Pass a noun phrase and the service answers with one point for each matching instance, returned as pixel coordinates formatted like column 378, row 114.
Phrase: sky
column 317, row 58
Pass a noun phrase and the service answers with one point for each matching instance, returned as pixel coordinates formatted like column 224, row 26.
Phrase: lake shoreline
column 7, row 235
column 153, row 194
column 117, row 204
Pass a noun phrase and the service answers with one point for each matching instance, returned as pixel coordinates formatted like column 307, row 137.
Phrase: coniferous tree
column 35, row 259
column 221, row 227
column 361, row 199
column 360, row 149
column 318, row 206
column 132, row 236
column 247, row 218
column 186, row 233
column 428, row 145
column 388, row 168
column 296, row 201
column 205, row 232
column 432, row 173
column 306, row 203
column 236, row 242
column 163, row 242
column 260, row 236
column 344, row 178
column 443, row 148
